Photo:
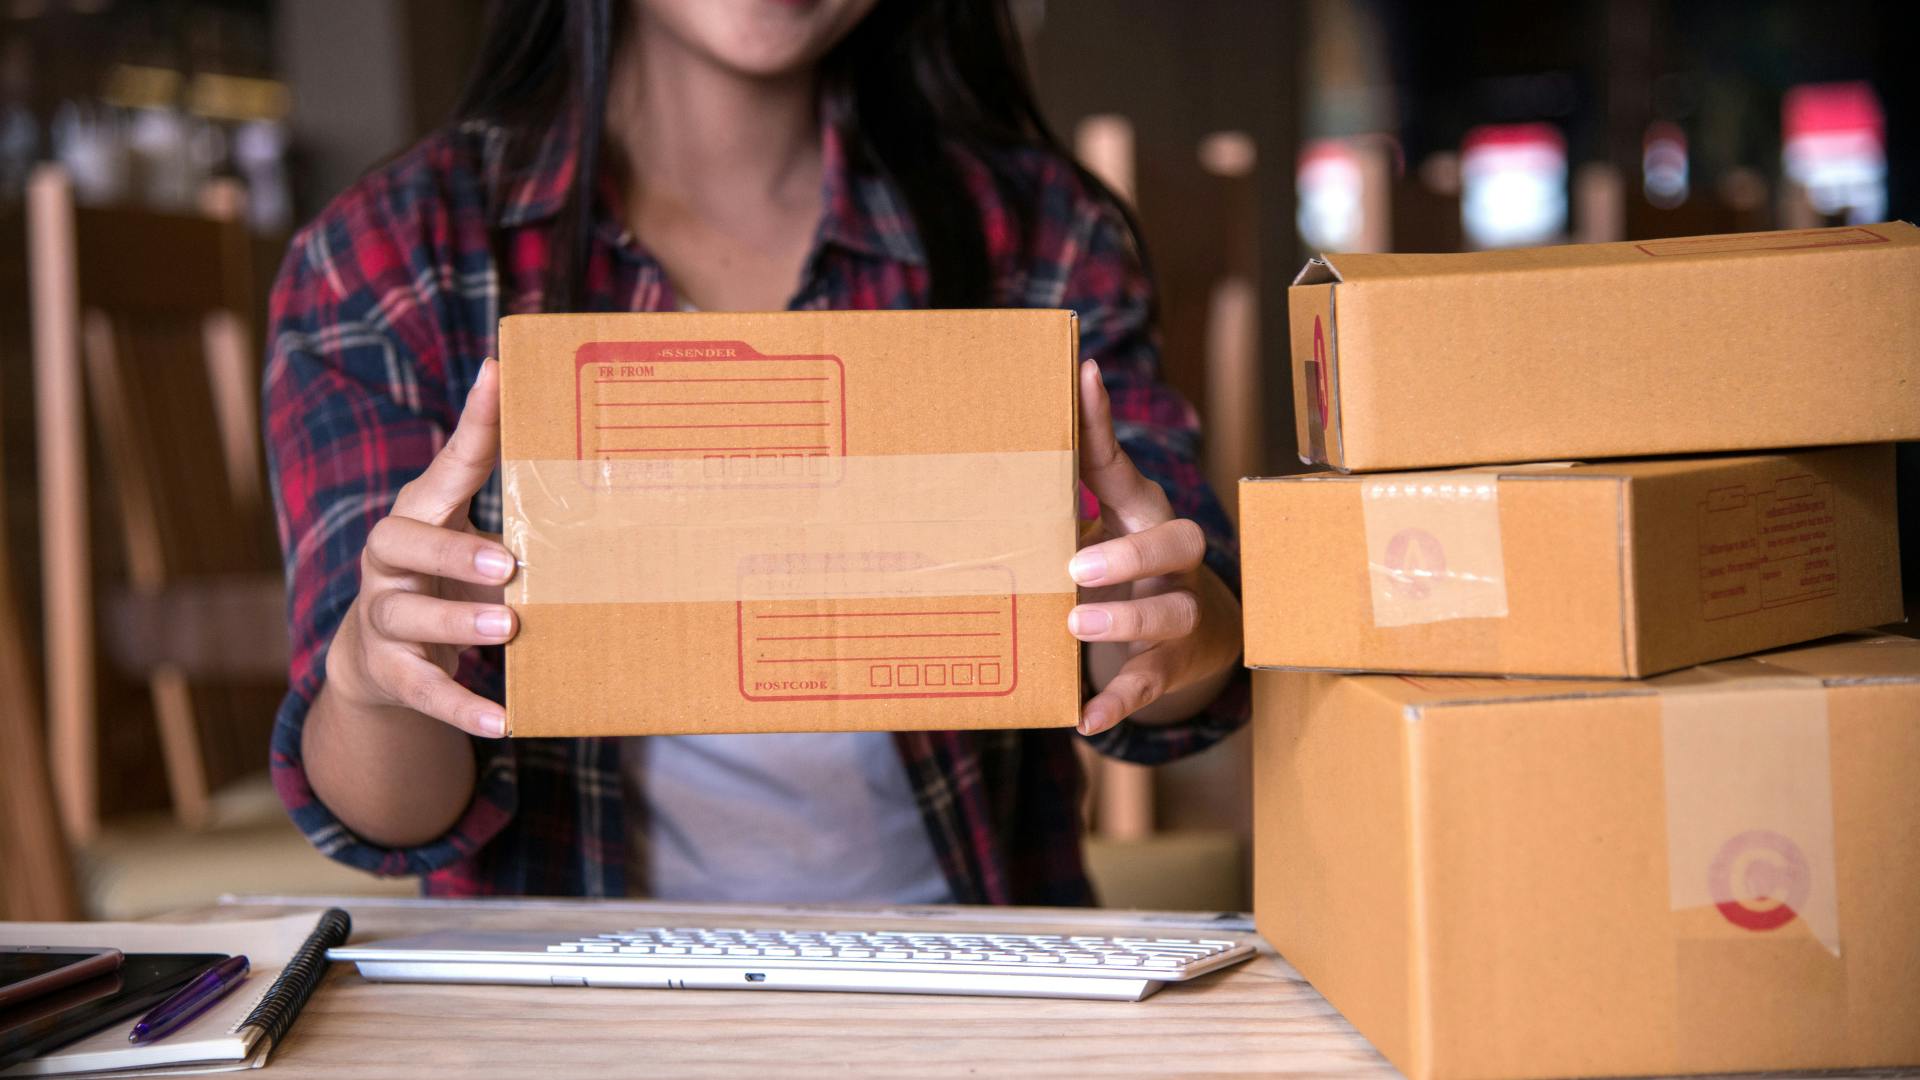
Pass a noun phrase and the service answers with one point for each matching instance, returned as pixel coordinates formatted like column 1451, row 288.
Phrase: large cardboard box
column 1746, row 342
column 1615, row 569
column 1715, row 870
column 790, row 522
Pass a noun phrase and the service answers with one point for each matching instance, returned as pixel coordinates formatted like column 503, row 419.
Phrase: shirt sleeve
column 1103, row 281
column 356, row 405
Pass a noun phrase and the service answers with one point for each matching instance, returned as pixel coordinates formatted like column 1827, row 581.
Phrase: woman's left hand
column 1163, row 631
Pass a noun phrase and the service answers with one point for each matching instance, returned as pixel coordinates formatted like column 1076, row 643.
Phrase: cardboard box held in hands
column 802, row 521
column 1711, row 871
column 1693, row 345
column 1624, row 568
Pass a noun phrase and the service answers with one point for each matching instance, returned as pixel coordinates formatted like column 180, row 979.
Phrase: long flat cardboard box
column 790, row 522
column 1615, row 569
column 1702, row 344
column 1712, row 871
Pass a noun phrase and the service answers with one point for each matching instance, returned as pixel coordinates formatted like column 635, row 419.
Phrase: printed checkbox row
column 811, row 464
column 934, row 675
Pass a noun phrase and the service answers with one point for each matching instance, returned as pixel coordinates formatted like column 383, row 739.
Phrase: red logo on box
column 1759, row 880
column 1414, row 557
column 1323, row 388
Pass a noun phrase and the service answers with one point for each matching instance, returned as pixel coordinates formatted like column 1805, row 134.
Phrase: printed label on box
column 875, row 639
column 1766, row 547
column 743, row 414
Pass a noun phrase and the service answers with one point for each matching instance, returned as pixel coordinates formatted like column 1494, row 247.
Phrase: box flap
column 1846, row 660
column 1355, row 269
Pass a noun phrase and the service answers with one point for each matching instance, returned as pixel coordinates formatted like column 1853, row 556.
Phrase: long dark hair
column 918, row 76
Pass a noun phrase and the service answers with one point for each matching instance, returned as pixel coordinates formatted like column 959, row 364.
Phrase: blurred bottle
column 260, row 156
column 90, row 140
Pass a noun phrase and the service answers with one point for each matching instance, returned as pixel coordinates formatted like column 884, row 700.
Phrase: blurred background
column 155, row 155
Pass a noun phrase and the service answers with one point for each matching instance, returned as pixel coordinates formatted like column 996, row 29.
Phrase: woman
column 663, row 154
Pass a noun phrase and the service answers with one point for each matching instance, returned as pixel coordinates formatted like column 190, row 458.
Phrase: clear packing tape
column 1433, row 547
column 720, row 528
column 1749, row 791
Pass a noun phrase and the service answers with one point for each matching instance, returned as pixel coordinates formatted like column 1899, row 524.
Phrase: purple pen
column 190, row 1000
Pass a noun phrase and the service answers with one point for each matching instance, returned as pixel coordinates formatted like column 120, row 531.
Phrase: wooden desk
column 1257, row 1019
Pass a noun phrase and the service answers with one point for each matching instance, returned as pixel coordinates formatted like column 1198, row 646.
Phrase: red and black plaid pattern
column 384, row 309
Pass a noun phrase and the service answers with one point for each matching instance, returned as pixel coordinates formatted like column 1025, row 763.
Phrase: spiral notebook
column 288, row 954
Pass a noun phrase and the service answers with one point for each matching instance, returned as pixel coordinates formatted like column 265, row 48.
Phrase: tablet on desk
column 143, row 981
column 32, row 971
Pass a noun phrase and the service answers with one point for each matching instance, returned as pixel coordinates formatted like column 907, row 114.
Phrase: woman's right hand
column 431, row 585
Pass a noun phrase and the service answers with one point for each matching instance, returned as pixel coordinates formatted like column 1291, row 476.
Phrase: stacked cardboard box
column 1708, row 870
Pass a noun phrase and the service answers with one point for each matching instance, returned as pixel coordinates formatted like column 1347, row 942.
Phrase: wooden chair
column 144, row 317
column 38, row 883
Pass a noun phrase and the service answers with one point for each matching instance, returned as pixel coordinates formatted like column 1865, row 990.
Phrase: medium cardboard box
column 790, row 522
column 1615, row 569
column 1701, row 344
column 1715, row 870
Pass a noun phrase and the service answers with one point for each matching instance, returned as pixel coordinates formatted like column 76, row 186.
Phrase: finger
column 1153, row 618
column 458, row 472
column 405, row 546
column 418, row 684
column 1173, row 547
column 401, row 615
column 1105, row 468
column 1138, row 684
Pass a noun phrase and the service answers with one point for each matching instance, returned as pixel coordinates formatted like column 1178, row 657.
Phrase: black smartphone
column 143, row 981
column 28, row 971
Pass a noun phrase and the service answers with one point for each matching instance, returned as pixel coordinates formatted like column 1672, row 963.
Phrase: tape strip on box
column 792, row 527
column 1749, row 788
column 1433, row 547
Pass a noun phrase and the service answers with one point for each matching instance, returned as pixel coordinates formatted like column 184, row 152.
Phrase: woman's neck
column 693, row 133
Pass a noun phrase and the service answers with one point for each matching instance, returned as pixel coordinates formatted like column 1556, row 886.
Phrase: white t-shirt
column 815, row 817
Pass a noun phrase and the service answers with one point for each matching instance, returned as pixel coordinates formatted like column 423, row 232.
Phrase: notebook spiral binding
column 289, row 993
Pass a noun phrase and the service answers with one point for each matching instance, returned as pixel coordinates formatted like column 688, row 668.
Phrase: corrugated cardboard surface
column 683, row 412
column 1478, row 873
column 1615, row 569
column 1700, row 344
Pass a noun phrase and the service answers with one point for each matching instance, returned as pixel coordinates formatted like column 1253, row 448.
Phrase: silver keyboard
column 1053, row 951
column 863, row 961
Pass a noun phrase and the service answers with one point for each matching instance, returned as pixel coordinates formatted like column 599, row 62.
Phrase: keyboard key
column 856, row 954
column 563, row 948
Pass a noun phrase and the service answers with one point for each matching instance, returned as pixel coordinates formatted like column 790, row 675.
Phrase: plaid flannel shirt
column 383, row 311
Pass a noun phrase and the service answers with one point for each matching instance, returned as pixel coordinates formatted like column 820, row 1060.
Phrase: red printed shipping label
column 1767, row 547
column 720, row 401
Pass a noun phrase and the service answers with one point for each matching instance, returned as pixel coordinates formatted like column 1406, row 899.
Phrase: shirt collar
column 860, row 211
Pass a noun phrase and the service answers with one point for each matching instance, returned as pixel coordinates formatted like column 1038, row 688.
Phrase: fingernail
column 493, row 622
column 1085, row 621
column 1092, row 723
column 493, row 725
column 1088, row 568
column 494, row 563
